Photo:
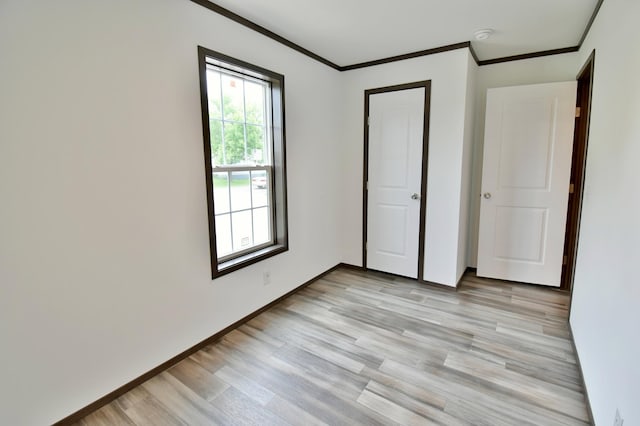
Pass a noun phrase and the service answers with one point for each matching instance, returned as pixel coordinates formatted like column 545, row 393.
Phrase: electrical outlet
column 619, row 421
column 266, row 277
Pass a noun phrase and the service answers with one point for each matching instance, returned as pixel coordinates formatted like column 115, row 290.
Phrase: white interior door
column 396, row 126
column 525, row 182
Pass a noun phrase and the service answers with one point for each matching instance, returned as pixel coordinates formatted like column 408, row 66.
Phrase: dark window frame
column 278, row 177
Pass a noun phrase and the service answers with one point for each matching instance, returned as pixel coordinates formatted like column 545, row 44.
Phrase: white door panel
column 396, row 122
column 525, row 182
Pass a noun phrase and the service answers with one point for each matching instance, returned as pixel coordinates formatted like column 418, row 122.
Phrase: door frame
column 426, row 84
column 578, row 166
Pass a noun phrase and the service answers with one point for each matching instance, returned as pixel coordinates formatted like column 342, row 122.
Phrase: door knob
column 487, row 195
column 415, row 196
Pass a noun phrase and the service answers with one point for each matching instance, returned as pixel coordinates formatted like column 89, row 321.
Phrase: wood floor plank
column 366, row 348
column 324, row 399
column 261, row 336
column 426, row 396
column 333, row 356
column 409, row 402
column 495, row 402
column 131, row 398
column 538, row 392
column 198, row 379
column 150, row 411
column 184, row 403
column 240, row 339
column 292, row 413
column 290, row 327
column 244, row 410
column 322, row 373
column 107, row 416
column 389, row 409
column 245, row 385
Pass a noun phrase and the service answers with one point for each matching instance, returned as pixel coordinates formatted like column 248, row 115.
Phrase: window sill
column 248, row 259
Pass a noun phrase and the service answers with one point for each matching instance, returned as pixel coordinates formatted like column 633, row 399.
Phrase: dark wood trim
column 278, row 38
column 393, row 276
column 473, row 54
column 584, row 384
column 424, row 178
column 578, row 168
column 111, row 396
column 463, row 45
column 278, row 177
column 544, row 52
column 529, row 55
column 588, row 67
column 425, row 157
column 352, row 267
column 365, row 179
column 429, row 283
column 252, row 257
column 590, row 23
column 397, row 87
column 206, row 135
column 284, row 209
column 441, row 286
column 262, row 30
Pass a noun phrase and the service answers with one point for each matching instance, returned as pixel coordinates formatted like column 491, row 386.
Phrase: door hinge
column 366, row 245
column 572, row 188
column 368, row 121
column 367, row 185
column 565, row 259
column 577, row 112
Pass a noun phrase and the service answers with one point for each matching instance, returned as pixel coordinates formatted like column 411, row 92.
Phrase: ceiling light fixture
column 483, row 34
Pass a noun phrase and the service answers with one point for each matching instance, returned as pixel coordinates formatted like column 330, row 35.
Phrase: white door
column 525, row 182
column 396, row 126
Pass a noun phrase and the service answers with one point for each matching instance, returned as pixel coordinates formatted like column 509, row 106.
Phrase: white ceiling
column 347, row 32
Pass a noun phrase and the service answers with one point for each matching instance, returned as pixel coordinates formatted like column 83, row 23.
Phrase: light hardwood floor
column 366, row 348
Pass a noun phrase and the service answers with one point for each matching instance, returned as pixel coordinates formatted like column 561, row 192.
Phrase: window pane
column 242, row 232
column 217, row 151
column 233, row 95
column 221, row 192
column 234, row 147
column 213, row 93
column 261, row 225
column 256, row 149
column 254, row 102
column 259, row 188
column 240, row 191
column 223, row 235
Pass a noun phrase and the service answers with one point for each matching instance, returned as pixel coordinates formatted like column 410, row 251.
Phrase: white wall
column 104, row 256
column 448, row 75
column 605, row 317
column 531, row 71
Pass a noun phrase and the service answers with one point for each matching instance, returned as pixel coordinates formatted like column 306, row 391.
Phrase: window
column 243, row 129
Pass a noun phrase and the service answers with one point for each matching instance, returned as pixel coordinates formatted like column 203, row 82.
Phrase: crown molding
column 466, row 44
